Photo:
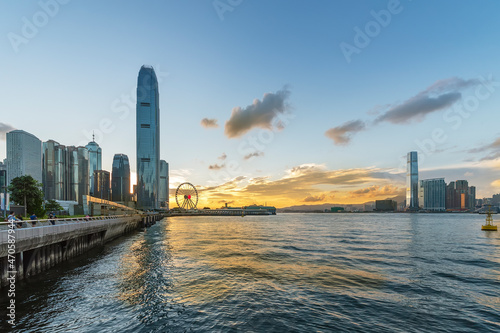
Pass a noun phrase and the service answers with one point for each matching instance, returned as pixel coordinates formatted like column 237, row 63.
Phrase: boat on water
column 489, row 226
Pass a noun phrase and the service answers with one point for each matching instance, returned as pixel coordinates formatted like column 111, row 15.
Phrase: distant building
column 459, row 196
column 24, row 155
column 95, row 161
column 336, row 209
column 472, row 197
column 102, row 188
column 120, row 179
column 3, row 176
column 412, row 181
column 164, row 185
column 432, row 194
column 65, row 172
column 386, row 205
column 369, row 206
column 148, row 139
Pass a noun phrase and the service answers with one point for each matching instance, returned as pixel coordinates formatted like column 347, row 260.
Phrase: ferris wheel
column 186, row 196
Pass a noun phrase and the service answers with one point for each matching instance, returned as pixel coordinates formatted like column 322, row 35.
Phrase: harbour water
column 284, row 273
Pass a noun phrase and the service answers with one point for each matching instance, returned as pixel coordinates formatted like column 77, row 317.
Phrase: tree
column 26, row 190
column 52, row 205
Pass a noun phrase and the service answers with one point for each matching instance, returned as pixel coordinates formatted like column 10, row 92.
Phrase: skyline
column 274, row 113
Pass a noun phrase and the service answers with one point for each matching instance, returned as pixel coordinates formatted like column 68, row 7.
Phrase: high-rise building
column 3, row 177
column 65, row 171
column 95, row 161
column 24, row 155
column 164, row 184
column 102, row 187
column 120, row 178
column 412, row 181
column 472, row 197
column 148, row 139
column 462, row 193
column 432, row 194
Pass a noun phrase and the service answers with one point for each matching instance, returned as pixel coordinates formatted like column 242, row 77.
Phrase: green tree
column 25, row 190
column 52, row 205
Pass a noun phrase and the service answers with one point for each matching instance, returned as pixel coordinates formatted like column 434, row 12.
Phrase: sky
column 282, row 102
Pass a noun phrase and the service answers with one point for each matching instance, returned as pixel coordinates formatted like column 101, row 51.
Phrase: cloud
column 209, row 123
column 312, row 198
column 341, row 135
column 256, row 154
column 376, row 191
column 492, row 149
column 216, row 166
column 222, row 157
column 440, row 95
column 260, row 113
column 4, row 129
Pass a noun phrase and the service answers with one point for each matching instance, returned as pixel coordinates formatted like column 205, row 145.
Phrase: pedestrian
column 20, row 223
column 33, row 219
column 51, row 218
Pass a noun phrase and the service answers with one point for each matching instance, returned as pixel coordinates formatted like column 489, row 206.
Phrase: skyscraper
column 120, row 178
column 95, row 163
column 164, row 184
column 65, row 171
column 412, row 181
column 148, row 139
column 24, row 155
column 432, row 194
column 101, row 184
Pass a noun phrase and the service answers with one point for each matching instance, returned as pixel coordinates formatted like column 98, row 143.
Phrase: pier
column 27, row 250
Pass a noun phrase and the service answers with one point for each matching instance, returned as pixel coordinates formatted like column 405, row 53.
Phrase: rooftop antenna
column 93, row 136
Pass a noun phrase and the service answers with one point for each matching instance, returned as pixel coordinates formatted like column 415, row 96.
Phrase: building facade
column 24, row 155
column 65, row 172
column 412, row 181
column 432, row 194
column 120, row 178
column 148, row 139
column 95, row 162
column 164, row 185
column 385, row 205
column 102, row 186
column 472, row 197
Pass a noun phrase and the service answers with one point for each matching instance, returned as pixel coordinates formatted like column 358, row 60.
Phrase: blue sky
column 77, row 73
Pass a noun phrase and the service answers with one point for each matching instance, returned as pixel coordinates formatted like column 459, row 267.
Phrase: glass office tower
column 163, row 184
column 24, row 155
column 95, row 163
column 412, row 181
column 433, row 194
column 120, row 178
column 148, row 139
column 101, row 184
column 65, row 171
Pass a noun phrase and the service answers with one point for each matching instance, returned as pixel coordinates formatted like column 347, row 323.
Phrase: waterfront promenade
column 27, row 250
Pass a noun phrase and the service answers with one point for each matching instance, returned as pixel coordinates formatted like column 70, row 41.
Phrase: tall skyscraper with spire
column 148, row 139
column 412, row 181
column 95, row 161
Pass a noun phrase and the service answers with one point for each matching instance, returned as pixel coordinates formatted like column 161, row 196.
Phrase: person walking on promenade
column 51, row 218
column 33, row 219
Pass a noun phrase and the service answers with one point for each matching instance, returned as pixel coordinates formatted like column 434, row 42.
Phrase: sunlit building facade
column 412, row 181
column 102, row 188
column 432, row 194
column 164, row 185
column 95, row 162
column 148, row 139
column 24, row 155
column 120, row 179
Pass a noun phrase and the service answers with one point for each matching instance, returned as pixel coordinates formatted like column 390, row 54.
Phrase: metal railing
column 4, row 225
